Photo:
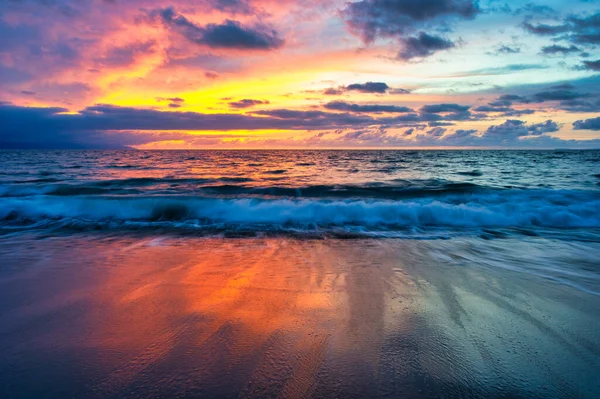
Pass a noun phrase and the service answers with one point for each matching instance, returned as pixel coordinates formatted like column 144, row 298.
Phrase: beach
column 308, row 199
column 140, row 316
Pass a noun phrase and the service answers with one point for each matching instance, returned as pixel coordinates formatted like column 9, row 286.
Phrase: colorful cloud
column 265, row 73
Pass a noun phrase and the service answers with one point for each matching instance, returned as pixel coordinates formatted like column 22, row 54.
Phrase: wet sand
column 160, row 317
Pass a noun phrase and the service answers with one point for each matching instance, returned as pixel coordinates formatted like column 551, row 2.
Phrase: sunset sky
column 299, row 74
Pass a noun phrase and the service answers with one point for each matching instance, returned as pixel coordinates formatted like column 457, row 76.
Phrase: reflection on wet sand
column 166, row 317
column 254, row 318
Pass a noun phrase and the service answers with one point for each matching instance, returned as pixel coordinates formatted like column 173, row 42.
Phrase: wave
column 242, row 187
column 504, row 209
column 472, row 173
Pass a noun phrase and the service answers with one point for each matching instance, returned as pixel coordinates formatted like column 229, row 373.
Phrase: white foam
column 553, row 209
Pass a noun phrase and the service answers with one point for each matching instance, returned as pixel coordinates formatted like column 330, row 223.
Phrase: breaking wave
column 552, row 209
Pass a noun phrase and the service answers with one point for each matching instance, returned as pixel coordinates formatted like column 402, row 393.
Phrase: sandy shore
column 206, row 317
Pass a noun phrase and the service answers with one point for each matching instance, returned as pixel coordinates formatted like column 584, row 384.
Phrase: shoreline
column 113, row 316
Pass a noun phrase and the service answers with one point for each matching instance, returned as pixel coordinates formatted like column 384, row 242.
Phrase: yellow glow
column 215, row 98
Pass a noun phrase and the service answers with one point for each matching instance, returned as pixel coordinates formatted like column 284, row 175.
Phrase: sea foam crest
column 552, row 209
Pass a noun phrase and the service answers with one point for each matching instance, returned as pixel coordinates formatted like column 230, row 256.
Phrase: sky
column 178, row 74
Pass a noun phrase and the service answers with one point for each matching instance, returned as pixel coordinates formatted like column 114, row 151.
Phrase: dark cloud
column 584, row 29
column 542, row 128
column 513, row 128
column 438, row 113
column 581, row 95
column 504, row 49
column 489, row 108
column 374, row 108
column 580, row 105
column 565, row 96
column 558, row 94
column 510, row 134
column 587, row 124
column 592, row 65
column 439, row 108
column 297, row 119
column 392, row 18
column 544, row 29
column 105, row 126
column 578, row 29
column 557, row 49
column 171, row 99
column 104, row 117
column 518, row 112
column 227, row 35
column 413, row 118
column 247, row 103
column 333, row 91
column 463, row 116
column 174, row 102
column 48, row 128
column 464, row 132
column 513, row 98
column 436, row 132
column 504, row 110
column 508, row 99
column 434, row 124
column 369, row 87
column 423, row 45
column 402, row 19
column 231, row 34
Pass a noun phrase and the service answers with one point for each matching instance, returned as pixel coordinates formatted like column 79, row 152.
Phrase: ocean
column 298, row 273
column 409, row 194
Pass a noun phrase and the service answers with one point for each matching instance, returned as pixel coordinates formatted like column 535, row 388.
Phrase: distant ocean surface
column 416, row 194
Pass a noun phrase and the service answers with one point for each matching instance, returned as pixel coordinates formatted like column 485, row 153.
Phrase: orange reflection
column 257, row 308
